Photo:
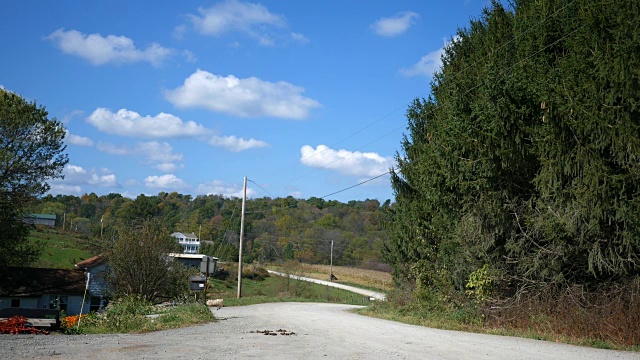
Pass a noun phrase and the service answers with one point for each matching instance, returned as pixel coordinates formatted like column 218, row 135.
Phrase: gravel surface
column 320, row 331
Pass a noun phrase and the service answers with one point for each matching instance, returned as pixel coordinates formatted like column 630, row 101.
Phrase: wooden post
column 206, row 280
column 244, row 199
column 331, row 266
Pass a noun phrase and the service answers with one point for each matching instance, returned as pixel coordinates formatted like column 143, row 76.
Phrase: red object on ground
column 17, row 325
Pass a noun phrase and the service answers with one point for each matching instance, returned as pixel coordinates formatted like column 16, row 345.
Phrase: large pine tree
column 524, row 161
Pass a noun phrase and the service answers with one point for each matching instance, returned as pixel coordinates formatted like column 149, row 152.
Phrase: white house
column 189, row 242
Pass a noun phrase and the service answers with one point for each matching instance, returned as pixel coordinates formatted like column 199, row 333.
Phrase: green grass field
column 60, row 249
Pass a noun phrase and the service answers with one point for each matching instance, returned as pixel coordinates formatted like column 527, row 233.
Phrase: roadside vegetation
column 135, row 315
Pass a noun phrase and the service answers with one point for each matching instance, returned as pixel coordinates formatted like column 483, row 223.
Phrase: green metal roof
column 43, row 216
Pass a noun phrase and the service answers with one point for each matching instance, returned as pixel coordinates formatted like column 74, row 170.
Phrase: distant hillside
column 275, row 229
column 60, row 249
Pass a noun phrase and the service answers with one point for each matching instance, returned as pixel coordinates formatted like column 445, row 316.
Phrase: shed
column 40, row 219
column 198, row 261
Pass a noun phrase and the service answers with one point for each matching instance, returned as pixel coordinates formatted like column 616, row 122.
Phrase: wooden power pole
column 244, row 199
column 331, row 266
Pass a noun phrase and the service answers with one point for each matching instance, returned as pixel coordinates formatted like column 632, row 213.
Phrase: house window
column 15, row 303
column 58, row 302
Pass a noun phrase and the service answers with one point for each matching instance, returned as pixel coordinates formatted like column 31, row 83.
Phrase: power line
column 263, row 189
column 351, row 187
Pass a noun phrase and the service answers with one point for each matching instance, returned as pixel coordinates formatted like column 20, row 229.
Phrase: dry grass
column 374, row 279
column 607, row 315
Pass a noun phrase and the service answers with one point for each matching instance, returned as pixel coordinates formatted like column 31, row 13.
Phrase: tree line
column 275, row 229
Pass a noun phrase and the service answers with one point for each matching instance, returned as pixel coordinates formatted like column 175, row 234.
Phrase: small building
column 39, row 288
column 189, row 242
column 96, row 269
column 197, row 261
column 40, row 219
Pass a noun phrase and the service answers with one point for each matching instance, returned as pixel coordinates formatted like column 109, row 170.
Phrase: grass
column 363, row 278
column 60, row 249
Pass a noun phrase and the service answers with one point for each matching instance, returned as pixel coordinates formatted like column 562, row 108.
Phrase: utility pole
column 244, row 199
column 331, row 266
column 64, row 219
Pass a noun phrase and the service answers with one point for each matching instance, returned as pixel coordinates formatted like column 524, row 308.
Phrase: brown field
column 348, row 275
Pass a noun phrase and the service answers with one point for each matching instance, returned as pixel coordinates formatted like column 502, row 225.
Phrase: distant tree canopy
column 524, row 163
column 275, row 229
column 31, row 152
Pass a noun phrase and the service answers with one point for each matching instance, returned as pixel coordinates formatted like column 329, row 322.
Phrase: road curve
column 322, row 331
column 372, row 294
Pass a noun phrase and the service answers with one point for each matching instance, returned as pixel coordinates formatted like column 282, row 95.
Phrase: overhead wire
column 263, row 189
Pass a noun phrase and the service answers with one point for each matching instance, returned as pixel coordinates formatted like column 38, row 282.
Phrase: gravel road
column 322, row 331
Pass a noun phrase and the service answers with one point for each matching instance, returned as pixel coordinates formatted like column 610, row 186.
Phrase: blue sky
column 305, row 98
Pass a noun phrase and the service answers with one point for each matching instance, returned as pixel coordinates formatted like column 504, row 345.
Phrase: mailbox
column 197, row 283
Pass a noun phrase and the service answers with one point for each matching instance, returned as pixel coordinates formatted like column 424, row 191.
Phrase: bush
column 255, row 272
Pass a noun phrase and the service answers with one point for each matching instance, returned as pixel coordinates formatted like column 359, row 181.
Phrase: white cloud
column 130, row 123
column 165, row 182
column 395, row 25
column 70, row 171
column 166, row 167
column 114, row 149
column 159, row 155
column 159, row 152
column 103, row 180
column 68, row 117
column 75, row 177
column 65, row 189
column 235, row 144
column 251, row 19
column 299, row 38
column 249, row 97
column 131, row 182
column 189, row 56
column 179, row 31
column 429, row 63
column 100, row 50
column 345, row 162
column 78, row 140
column 217, row 187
